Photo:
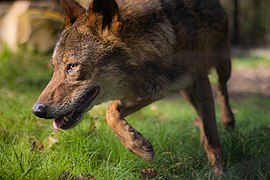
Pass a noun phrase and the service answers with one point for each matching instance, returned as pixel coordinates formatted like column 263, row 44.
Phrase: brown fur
column 135, row 52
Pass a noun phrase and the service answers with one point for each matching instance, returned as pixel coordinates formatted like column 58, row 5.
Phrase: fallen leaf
column 85, row 177
column 64, row 175
column 36, row 144
column 149, row 173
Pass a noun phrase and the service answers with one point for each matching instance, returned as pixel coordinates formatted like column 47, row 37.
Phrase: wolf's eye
column 71, row 67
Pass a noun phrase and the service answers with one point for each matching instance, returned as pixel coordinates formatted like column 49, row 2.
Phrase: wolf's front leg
column 129, row 137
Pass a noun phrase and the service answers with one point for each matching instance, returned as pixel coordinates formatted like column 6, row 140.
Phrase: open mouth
column 72, row 118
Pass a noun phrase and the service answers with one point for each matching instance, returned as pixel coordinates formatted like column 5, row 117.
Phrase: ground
column 31, row 149
column 247, row 80
column 251, row 72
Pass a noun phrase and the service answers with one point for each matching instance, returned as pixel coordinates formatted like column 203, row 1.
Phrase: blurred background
column 32, row 24
column 36, row 24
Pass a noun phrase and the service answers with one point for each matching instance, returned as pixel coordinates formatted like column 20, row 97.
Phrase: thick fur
column 136, row 52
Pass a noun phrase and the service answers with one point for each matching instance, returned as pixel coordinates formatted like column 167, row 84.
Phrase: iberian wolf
column 135, row 52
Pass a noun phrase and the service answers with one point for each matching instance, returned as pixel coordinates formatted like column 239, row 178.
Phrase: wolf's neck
column 147, row 31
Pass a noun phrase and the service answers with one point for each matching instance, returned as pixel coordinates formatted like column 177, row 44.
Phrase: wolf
column 134, row 52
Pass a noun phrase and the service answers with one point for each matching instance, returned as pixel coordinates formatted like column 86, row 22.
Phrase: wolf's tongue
column 58, row 123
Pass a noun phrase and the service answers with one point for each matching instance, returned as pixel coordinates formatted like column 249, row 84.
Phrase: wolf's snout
column 39, row 110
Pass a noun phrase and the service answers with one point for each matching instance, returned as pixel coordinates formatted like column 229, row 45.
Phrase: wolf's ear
column 105, row 14
column 72, row 11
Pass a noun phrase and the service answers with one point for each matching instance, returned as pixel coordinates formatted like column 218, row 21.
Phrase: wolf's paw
column 140, row 145
column 217, row 169
column 129, row 137
column 134, row 140
column 214, row 156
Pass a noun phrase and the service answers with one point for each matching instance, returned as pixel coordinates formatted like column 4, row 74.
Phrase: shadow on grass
column 247, row 154
column 246, row 148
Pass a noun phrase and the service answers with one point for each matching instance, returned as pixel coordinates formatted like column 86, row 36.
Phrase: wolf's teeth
column 66, row 119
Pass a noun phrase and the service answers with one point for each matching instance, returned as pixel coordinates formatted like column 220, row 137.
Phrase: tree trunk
column 235, row 23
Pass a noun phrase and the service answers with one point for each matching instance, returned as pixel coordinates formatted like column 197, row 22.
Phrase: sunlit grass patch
column 251, row 62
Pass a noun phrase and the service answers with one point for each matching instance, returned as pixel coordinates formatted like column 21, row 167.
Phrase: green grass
column 92, row 148
column 251, row 62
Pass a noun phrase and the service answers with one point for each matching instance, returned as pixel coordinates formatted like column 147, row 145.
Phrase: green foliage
column 27, row 152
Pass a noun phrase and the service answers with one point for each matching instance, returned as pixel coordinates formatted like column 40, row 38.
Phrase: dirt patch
column 245, row 81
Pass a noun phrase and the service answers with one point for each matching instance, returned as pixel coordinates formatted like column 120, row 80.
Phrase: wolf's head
column 88, row 60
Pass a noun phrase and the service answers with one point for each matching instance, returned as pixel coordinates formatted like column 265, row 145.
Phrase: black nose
column 39, row 110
